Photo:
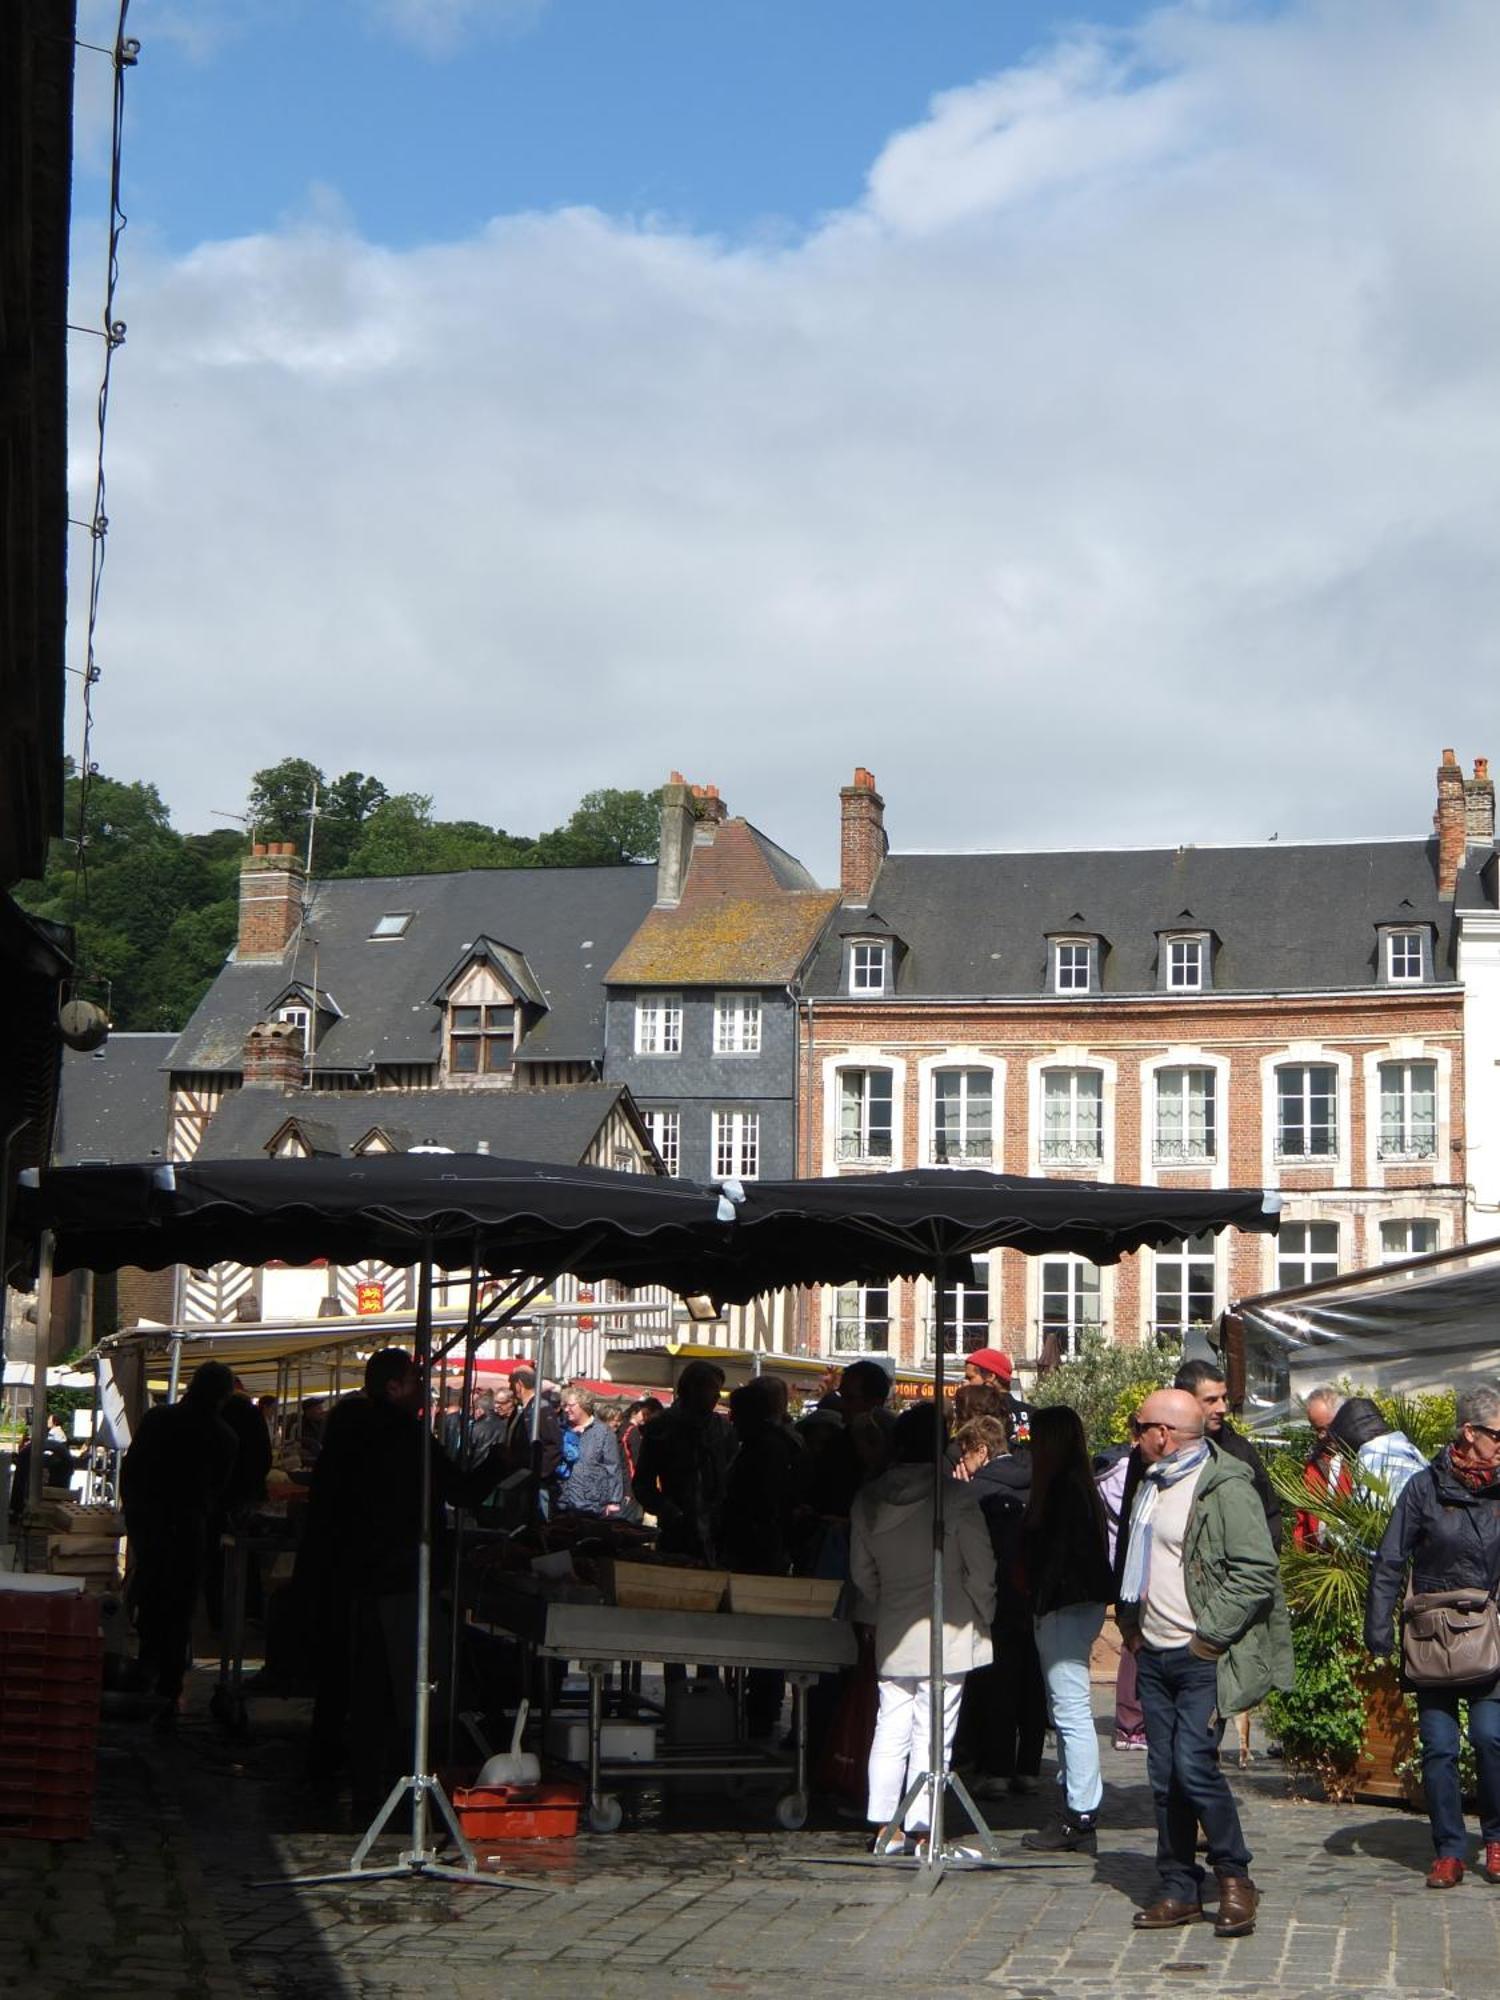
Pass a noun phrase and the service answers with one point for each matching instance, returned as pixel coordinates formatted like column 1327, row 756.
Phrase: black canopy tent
column 474, row 1212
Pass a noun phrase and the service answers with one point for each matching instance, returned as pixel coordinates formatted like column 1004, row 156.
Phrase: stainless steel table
column 598, row 1636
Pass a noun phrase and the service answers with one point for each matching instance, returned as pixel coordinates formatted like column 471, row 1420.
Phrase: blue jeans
column 1180, row 1697
column 1064, row 1640
column 1437, row 1719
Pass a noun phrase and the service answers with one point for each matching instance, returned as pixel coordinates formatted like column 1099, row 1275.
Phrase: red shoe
column 1447, row 1872
column 1489, row 1867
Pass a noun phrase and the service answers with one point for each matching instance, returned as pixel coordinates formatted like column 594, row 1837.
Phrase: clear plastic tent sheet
column 1429, row 1324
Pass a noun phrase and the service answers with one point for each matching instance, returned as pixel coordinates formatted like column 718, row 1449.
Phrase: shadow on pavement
column 1405, row 1840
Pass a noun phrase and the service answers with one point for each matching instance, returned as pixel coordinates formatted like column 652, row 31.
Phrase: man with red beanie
column 994, row 1365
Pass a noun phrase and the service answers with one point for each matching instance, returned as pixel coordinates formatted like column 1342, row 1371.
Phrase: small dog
column 1242, row 1729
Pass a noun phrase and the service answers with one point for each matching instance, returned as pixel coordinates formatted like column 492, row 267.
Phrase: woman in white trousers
column 891, row 1566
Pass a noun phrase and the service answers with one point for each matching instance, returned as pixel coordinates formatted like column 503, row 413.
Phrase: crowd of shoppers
column 1179, row 1530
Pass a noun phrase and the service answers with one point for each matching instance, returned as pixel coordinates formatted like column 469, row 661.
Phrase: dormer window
column 1404, row 957
column 300, row 1018
column 1074, row 963
column 869, row 965
column 481, row 1040
column 1187, row 964
column 392, row 925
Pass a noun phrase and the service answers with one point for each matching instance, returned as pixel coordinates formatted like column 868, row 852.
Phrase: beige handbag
column 1450, row 1638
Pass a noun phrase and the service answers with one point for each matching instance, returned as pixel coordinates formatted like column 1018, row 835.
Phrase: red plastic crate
column 25, row 1763
column 65, row 1614
column 19, row 1664
column 73, row 1822
column 519, row 1812
column 25, row 1718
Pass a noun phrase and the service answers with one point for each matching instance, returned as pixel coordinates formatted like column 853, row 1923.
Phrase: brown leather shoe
column 1445, row 1873
column 1166, row 1915
column 1238, row 1901
column 1489, row 1866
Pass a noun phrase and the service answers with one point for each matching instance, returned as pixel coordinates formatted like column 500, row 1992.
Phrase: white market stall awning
column 1424, row 1324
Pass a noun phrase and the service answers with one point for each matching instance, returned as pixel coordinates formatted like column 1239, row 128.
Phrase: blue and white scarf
column 1166, row 1472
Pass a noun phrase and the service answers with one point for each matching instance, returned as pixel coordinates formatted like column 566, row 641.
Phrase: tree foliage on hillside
column 155, row 910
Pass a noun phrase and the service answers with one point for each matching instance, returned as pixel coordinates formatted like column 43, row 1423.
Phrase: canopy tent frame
column 925, row 1223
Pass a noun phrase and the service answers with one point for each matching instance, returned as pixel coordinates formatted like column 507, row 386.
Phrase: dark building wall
column 697, row 1082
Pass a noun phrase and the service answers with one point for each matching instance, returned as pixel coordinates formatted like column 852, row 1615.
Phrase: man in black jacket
column 1206, row 1381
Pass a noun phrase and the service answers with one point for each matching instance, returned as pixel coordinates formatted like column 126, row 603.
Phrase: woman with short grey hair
column 1446, row 1528
column 590, row 1479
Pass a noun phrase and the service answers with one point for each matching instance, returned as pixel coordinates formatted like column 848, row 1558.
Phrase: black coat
column 1449, row 1534
column 1066, row 1551
column 767, row 1484
column 1002, row 1487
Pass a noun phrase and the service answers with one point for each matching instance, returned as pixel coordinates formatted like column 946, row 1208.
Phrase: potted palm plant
column 1347, row 1720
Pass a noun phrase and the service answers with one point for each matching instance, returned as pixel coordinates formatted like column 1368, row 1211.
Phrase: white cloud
column 439, row 28
column 1125, row 466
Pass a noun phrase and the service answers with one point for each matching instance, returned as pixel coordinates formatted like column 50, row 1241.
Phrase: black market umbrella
column 508, row 1215
column 927, row 1223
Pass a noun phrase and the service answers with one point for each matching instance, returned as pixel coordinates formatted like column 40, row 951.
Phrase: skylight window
column 392, row 925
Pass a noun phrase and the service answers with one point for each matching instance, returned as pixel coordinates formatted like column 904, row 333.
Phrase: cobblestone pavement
column 695, row 1895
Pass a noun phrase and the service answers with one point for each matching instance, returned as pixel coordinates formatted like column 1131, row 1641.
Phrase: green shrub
column 1321, row 1721
column 1106, row 1383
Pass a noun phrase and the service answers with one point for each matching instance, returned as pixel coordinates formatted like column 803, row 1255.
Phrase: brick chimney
column 863, row 844
column 1479, row 802
column 273, row 1056
column 271, row 884
column 1450, row 823
column 676, row 846
column 708, row 807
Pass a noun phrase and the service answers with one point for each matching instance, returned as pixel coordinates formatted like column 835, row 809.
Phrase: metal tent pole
column 419, row 1860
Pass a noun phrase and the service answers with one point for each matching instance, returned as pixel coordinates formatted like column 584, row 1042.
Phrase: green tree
column 607, row 829
column 280, row 799
column 1106, row 1383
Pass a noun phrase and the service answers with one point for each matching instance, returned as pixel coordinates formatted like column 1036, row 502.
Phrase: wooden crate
column 660, row 1587
column 784, row 1596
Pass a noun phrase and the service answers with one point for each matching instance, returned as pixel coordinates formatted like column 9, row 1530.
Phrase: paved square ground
column 695, row 1894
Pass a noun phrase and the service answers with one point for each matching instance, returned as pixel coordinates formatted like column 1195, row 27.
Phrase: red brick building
column 1286, row 1016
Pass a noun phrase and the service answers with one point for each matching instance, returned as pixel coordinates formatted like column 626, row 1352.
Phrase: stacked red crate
column 51, row 1677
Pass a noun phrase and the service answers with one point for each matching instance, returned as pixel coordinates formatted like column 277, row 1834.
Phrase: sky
column 1085, row 416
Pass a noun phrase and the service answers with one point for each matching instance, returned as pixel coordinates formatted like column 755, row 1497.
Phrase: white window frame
column 737, row 1024
column 1307, row 1265
column 855, row 1312
column 1393, row 1254
column 1071, row 986
column 970, row 1149
column 1190, row 974
column 1069, row 1152
column 1183, row 1152
column 869, row 965
column 1407, row 940
column 973, row 1314
column 1080, row 1280
column 658, row 1024
column 860, row 1151
column 664, row 1128
column 1307, row 1157
column 1408, row 1145
column 1188, row 1261
column 297, row 1015
column 734, row 1144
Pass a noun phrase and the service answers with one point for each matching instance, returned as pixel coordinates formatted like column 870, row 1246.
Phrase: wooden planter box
column 1390, row 1738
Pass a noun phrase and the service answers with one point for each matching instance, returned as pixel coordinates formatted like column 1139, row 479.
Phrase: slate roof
column 568, row 923
column 113, row 1103
column 1286, row 916
column 559, row 1123
column 749, row 915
